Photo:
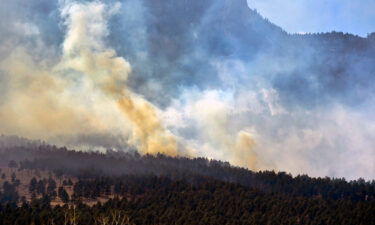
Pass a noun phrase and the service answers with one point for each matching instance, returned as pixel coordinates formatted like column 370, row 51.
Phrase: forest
column 91, row 79
column 127, row 188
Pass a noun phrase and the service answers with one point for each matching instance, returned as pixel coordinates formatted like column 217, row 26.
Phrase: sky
column 314, row 16
column 205, row 78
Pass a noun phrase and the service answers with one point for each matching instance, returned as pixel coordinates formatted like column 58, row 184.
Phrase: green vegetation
column 160, row 200
column 134, row 189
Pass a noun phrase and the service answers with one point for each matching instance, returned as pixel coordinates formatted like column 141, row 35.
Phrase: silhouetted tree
column 63, row 195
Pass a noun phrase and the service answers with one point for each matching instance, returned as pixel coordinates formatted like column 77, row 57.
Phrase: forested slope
column 165, row 190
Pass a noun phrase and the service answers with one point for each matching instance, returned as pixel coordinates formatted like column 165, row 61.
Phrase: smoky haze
column 199, row 78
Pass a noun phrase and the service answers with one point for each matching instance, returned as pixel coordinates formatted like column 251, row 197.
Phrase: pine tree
column 32, row 185
column 63, row 195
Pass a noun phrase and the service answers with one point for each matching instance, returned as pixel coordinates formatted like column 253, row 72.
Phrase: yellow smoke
column 244, row 151
column 32, row 108
column 86, row 92
column 85, row 51
column 149, row 133
column 214, row 115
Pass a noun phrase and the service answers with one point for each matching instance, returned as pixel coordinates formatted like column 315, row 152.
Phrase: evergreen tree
column 51, row 186
column 63, row 195
column 40, row 187
column 33, row 185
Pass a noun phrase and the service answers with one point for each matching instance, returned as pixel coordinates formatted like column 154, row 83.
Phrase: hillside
column 180, row 112
column 188, row 38
column 160, row 189
column 201, row 66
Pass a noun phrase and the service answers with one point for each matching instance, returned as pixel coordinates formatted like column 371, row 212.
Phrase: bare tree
column 114, row 217
column 71, row 216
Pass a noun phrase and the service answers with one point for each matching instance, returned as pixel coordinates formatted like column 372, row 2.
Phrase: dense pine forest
column 44, row 184
column 109, row 84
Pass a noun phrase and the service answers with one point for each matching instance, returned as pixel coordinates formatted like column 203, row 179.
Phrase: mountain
column 306, row 100
column 204, row 66
column 184, row 39
column 160, row 189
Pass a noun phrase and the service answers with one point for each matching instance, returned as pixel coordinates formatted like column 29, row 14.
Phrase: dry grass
column 25, row 176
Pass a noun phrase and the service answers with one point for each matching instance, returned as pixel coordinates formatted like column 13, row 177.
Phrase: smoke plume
column 84, row 51
column 209, row 78
column 42, row 104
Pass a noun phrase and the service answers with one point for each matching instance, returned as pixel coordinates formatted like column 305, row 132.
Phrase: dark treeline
column 160, row 200
column 157, row 189
column 94, row 164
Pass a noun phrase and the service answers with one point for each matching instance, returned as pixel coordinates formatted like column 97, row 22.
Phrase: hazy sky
column 200, row 78
column 357, row 17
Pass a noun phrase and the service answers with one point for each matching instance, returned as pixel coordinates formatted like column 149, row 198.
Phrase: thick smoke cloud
column 206, row 78
column 85, row 52
column 37, row 104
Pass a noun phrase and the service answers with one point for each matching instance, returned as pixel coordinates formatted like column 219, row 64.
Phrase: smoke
column 31, row 106
column 207, row 78
column 205, row 121
column 41, row 102
column 84, row 51
column 244, row 154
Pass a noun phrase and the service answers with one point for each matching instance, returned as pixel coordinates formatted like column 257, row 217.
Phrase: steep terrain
column 305, row 101
column 165, row 190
